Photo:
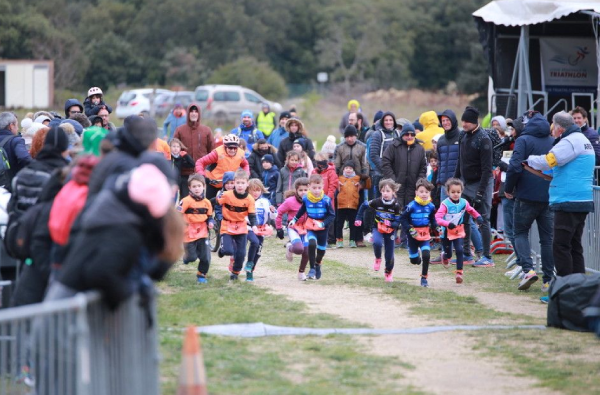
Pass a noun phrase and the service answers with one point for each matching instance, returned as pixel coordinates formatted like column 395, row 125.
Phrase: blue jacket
column 16, row 152
column 276, row 136
column 270, row 178
column 572, row 162
column 251, row 134
column 418, row 215
column 535, row 139
column 594, row 138
column 172, row 122
column 448, row 149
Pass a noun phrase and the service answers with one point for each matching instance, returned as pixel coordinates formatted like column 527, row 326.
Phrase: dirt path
column 445, row 363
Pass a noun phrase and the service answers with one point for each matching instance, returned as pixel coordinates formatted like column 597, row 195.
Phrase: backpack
column 251, row 137
column 384, row 140
column 5, row 178
column 569, row 296
column 496, row 145
column 19, row 232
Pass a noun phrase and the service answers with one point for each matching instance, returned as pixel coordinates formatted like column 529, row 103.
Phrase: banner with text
column 569, row 65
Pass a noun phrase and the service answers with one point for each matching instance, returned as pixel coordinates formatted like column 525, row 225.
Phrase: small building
column 26, row 83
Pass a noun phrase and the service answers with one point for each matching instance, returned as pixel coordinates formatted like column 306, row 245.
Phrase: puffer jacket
column 405, row 164
column 375, row 141
column 594, row 138
column 330, row 180
column 448, row 149
column 254, row 160
column 287, row 177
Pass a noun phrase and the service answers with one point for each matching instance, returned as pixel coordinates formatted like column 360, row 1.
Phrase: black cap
column 350, row 131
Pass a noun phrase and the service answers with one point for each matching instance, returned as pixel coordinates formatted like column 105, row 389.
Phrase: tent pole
column 523, row 93
column 513, row 82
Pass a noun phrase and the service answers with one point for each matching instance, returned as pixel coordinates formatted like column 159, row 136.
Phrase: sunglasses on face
column 232, row 148
column 410, row 134
column 74, row 112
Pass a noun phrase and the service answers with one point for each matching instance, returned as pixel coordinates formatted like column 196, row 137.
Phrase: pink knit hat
column 149, row 187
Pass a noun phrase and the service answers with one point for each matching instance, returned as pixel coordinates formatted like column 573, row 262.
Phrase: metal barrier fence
column 76, row 346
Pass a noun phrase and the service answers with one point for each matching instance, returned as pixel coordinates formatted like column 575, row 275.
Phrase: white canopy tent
column 501, row 17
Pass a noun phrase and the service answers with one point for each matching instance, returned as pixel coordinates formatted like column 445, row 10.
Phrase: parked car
column 136, row 101
column 165, row 102
column 225, row 103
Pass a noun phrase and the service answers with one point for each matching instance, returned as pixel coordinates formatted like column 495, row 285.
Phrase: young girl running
column 416, row 219
column 298, row 244
column 181, row 160
column 256, row 189
column 319, row 211
column 387, row 221
column 451, row 215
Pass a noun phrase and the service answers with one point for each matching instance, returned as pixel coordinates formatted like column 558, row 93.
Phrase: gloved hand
column 479, row 220
column 280, row 234
column 478, row 199
column 451, row 225
column 358, row 223
column 292, row 222
column 413, row 232
column 440, row 229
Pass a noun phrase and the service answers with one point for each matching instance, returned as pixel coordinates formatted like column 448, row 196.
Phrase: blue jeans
column 525, row 213
column 475, row 234
column 508, row 206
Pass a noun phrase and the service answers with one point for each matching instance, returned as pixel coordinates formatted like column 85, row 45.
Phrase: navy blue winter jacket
column 448, row 149
column 534, row 140
column 594, row 138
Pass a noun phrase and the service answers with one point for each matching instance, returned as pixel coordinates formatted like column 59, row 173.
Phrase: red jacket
column 330, row 180
column 197, row 138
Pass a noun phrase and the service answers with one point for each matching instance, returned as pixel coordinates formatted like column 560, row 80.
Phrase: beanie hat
column 57, row 139
column 501, row 120
column 246, row 113
column 353, row 102
column 76, row 125
column 349, row 163
column 418, row 125
column 377, row 116
column 268, row 158
column 470, row 115
column 91, row 139
column 228, row 176
column 26, row 123
column 149, row 187
column 302, row 142
column 42, row 119
column 285, row 115
column 407, row 127
column 350, row 131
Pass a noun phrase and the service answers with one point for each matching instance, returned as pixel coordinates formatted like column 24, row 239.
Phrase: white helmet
column 94, row 91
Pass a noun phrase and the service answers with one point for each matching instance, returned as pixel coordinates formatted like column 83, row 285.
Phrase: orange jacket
column 162, row 146
column 348, row 195
column 195, row 214
column 235, row 212
column 222, row 163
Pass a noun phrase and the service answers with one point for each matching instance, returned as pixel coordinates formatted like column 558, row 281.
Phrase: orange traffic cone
column 192, row 375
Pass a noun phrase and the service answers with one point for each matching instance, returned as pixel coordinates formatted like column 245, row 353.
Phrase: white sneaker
column 301, row 276
column 369, row 238
column 288, row 252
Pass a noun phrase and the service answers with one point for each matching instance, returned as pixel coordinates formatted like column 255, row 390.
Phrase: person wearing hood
column 197, row 137
column 531, row 200
column 580, row 118
column 295, row 129
column 430, row 122
column 378, row 142
column 447, row 150
column 265, row 120
column 280, row 133
column 259, row 150
column 247, row 130
column 571, row 197
column 175, row 119
column 72, row 107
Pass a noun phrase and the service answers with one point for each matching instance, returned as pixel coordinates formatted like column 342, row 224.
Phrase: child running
column 320, row 215
column 416, row 219
column 451, row 215
column 256, row 189
column 237, row 206
column 197, row 214
column 387, row 221
column 298, row 242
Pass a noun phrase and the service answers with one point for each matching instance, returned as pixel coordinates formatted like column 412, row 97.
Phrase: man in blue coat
column 13, row 144
column 530, row 194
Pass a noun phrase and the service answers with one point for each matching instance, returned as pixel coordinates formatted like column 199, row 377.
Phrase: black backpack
column 496, row 144
column 5, row 178
column 19, row 232
column 569, row 297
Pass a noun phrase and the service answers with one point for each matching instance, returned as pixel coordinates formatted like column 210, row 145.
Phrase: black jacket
column 288, row 143
column 254, row 161
column 475, row 162
column 404, row 164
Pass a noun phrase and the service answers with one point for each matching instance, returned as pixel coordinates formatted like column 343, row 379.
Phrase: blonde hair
column 315, row 179
column 241, row 175
column 256, row 184
column 177, row 141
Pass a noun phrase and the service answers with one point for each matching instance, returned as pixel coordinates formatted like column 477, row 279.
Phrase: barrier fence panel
column 76, row 346
column 591, row 235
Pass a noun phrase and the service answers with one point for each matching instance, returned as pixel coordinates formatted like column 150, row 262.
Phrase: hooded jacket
column 196, row 137
column 378, row 142
column 277, row 136
column 330, row 180
column 430, row 122
column 476, row 157
column 172, row 122
column 91, row 109
column 404, row 164
column 288, row 143
column 70, row 103
column 16, row 152
column 249, row 133
column 270, row 178
column 448, row 149
column 534, row 140
column 254, row 160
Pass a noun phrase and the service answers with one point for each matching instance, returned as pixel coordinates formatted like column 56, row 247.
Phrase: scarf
column 421, row 201
column 350, row 175
column 314, row 199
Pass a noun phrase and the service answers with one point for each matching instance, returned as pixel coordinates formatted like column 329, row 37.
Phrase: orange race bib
column 422, row 234
column 456, row 233
column 313, row 224
column 383, row 228
column 197, row 231
column 234, row 228
column 299, row 229
column 264, row 230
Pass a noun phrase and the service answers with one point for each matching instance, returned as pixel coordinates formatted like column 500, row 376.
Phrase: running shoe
column 424, row 283
column 318, row 271
column 301, row 277
column 352, row 244
column 233, row 277
column 484, row 262
column 545, row 299
column 311, row 274
column 202, row 280
column 529, row 278
column 467, row 260
column 249, row 276
column 389, row 278
column 377, row 264
column 459, row 277
column 339, row 244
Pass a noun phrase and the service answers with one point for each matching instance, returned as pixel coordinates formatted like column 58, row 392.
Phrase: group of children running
column 245, row 211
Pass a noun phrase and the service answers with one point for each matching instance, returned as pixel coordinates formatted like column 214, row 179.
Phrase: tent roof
column 531, row 12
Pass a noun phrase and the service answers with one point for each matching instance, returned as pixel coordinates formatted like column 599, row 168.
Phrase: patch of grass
column 561, row 360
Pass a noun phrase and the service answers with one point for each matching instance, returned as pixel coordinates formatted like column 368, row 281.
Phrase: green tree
column 182, row 67
column 112, row 61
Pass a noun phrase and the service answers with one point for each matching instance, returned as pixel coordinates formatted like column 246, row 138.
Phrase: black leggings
column 198, row 249
column 342, row 215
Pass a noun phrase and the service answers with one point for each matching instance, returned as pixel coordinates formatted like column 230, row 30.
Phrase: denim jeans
column 484, row 208
column 508, row 206
column 525, row 212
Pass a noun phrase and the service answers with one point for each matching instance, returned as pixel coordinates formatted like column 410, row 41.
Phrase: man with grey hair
column 572, row 162
column 14, row 148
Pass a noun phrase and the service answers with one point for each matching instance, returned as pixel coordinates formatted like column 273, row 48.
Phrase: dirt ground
column 445, row 363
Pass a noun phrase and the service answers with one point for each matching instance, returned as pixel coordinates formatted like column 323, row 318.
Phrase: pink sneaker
column 389, row 277
column 288, row 252
column 377, row 264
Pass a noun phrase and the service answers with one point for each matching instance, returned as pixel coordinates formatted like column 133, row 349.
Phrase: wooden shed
column 26, row 83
